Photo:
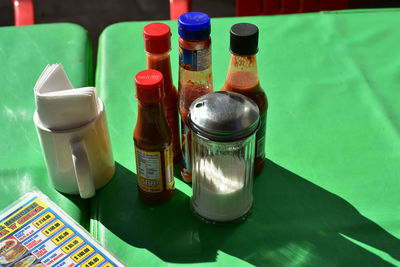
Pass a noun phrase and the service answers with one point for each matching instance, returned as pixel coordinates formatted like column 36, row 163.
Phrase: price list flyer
column 35, row 232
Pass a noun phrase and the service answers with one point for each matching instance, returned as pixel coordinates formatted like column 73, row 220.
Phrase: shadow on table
column 84, row 205
column 294, row 222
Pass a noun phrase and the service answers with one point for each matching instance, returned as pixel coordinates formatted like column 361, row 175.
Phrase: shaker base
column 238, row 220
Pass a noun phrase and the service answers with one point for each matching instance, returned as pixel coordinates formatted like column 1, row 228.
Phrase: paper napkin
column 59, row 105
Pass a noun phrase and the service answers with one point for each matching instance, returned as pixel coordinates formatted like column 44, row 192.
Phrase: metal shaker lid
column 224, row 116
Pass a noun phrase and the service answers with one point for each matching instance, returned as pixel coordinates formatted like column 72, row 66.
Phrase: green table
column 24, row 53
column 329, row 193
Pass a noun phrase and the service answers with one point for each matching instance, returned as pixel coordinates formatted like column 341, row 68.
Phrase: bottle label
column 173, row 122
column 169, row 168
column 186, row 143
column 260, row 137
column 194, row 60
column 150, row 172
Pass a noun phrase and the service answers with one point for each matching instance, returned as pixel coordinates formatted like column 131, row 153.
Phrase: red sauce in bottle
column 195, row 78
column 247, row 84
column 153, row 141
column 157, row 38
column 242, row 78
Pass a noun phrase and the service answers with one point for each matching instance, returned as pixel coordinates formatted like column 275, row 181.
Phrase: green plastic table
column 329, row 193
column 24, row 53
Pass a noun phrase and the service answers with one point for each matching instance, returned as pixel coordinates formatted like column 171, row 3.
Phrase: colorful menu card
column 35, row 232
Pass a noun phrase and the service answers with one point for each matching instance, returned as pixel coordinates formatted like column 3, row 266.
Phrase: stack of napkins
column 59, row 105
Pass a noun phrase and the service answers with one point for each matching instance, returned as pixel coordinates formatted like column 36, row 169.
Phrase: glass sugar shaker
column 224, row 126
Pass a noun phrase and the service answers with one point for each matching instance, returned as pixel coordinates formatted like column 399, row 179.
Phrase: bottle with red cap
column 157, row 44
column 153, row 140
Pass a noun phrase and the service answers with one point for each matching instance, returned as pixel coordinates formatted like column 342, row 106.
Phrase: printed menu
column 35, row 232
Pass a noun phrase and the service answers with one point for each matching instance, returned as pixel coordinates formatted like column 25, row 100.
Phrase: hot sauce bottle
column 242, row 78
column 195, row 77
column 157, row 44
column 153, row 140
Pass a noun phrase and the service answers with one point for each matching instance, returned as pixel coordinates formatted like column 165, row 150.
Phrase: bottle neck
column 242, row 72
column 194, row 44
column 162, row 63
column 150, row 113
column 151, row 130
column 194, row 66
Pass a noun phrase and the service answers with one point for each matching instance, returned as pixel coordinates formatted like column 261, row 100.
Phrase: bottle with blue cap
column 195, row 76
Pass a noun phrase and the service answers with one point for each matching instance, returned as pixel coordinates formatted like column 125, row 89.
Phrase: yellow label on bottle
column 169, row 168
column 149, row 173
column 150, row 169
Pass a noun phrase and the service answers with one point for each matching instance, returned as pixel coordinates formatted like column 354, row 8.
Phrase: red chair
column 23, row 12
column 269, row 7
column 178, row 7
column 266, row 7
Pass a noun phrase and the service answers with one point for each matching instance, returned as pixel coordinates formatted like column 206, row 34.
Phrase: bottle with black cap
column 242, row 78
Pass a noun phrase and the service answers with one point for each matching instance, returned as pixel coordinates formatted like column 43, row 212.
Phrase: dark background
column 95, row 15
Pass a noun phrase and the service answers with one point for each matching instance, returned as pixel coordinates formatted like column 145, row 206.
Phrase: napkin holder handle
column 82, row 170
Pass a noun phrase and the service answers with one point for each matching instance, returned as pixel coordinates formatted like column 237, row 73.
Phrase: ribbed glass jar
column 222, row 178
